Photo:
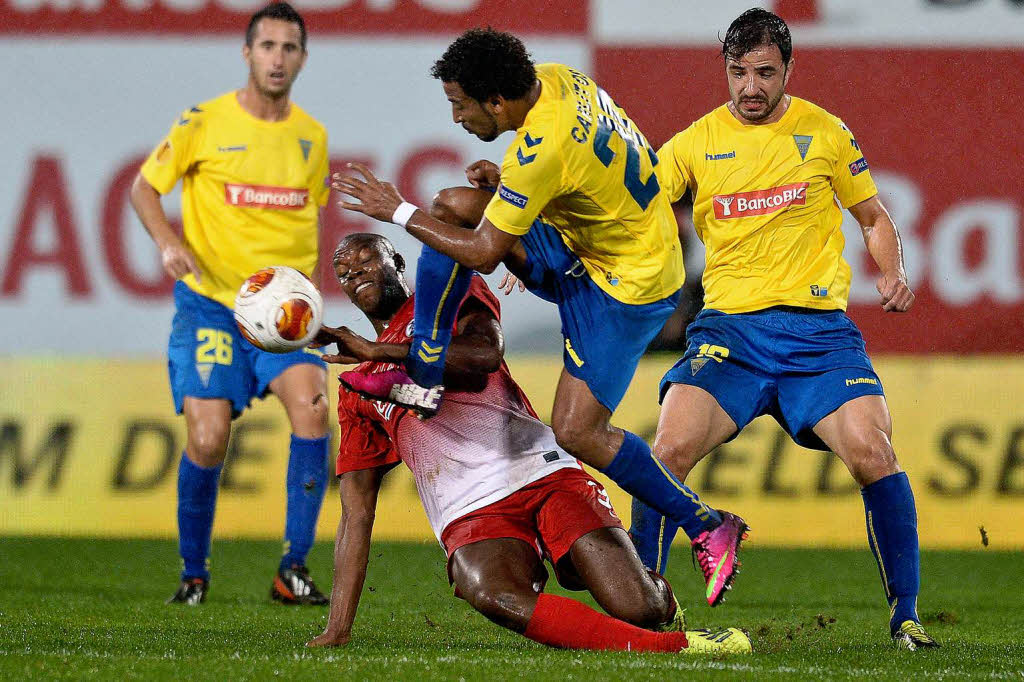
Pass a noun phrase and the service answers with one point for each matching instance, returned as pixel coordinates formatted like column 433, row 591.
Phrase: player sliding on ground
column 578, row 214
column 767, row 171
column 499, row 493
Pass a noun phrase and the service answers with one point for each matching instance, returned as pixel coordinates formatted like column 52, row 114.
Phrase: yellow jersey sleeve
column 851, row 178
column 173, row 157
column 531, row 176
column 675, row 165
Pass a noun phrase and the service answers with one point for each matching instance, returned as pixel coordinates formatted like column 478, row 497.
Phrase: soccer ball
column 278, row 309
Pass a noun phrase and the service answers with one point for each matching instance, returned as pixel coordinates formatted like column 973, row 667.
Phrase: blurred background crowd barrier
column 931, row 88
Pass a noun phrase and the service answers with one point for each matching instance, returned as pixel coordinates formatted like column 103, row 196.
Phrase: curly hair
column 281, row 11
column 754, row 28
column 485, row 63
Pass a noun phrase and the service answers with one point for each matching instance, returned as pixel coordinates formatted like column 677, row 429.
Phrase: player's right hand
column 178, row 261
column 509, row 282
column 483, row 175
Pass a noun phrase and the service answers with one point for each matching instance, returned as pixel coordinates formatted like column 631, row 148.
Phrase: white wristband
column 403, row 213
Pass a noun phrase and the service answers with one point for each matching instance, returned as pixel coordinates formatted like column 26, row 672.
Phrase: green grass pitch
column 93, row 609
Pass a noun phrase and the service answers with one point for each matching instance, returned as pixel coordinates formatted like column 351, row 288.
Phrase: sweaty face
column 275, row 57
column 370, row 279
column 470, row 114
column 757, row 82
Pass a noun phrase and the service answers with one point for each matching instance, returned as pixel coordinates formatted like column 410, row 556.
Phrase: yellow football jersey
column 251, row 190
column 764, row 204
column 580, row 164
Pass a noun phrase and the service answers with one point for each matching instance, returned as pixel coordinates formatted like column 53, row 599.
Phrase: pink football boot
column 395, row 386
column 715, row 550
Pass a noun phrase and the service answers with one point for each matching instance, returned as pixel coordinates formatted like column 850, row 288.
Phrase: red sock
column 568, row 624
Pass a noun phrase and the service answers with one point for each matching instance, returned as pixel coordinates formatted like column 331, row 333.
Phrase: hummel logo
column 726, row 202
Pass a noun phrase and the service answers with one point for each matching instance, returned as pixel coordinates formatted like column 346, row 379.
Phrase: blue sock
column 441, row 284
column 197, row 498
column 892, row 534
column 306, row 485
column 637, row 472
column 652, row 535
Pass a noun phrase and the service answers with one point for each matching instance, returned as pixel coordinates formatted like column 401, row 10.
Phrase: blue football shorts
column 207, row 357
column 796, row 364
column 603, row 339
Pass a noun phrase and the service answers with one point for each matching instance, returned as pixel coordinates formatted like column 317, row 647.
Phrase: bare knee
column 869, row 456
column 653, row 606
column 577, row 436
column 680, row 451
column 568, row 434
column 208, row 441
column 462, row 206
column 510, row 608
column 308, row 413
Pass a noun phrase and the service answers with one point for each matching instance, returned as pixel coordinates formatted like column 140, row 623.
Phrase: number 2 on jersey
column 642, row 192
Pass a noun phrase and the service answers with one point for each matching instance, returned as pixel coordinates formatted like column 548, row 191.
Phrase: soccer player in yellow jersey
column 253, row 167
column 577, row 212
column 766, row 171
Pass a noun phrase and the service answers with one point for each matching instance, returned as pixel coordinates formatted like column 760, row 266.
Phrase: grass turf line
column 93, row 609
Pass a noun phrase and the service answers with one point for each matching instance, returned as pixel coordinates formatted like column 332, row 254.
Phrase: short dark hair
column 754, row 28
column 485, row 63
column 361, row 239
column 276, row 10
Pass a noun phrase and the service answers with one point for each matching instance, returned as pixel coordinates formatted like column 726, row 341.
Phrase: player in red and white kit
column 500, row 495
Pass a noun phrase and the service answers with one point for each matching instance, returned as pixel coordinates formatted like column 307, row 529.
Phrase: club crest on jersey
column 384, row 409
column 305, row 145
column 759, row 202
column 697, row 364
column 204, row 370
column 803, row 143
column 164, row 152
column 513, row 197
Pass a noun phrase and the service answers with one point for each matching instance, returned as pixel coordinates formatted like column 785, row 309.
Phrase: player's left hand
column 508, row 283
column 896, row 294
column 376, row 199
column 352, row 348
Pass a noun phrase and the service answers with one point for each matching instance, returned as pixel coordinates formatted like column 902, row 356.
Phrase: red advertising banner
column 323, row 17
column 938, row 128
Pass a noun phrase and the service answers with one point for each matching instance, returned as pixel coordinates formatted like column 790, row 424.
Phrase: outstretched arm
column 351, row 553
column 476, row 350
column 883, row 242
column 480, row 248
